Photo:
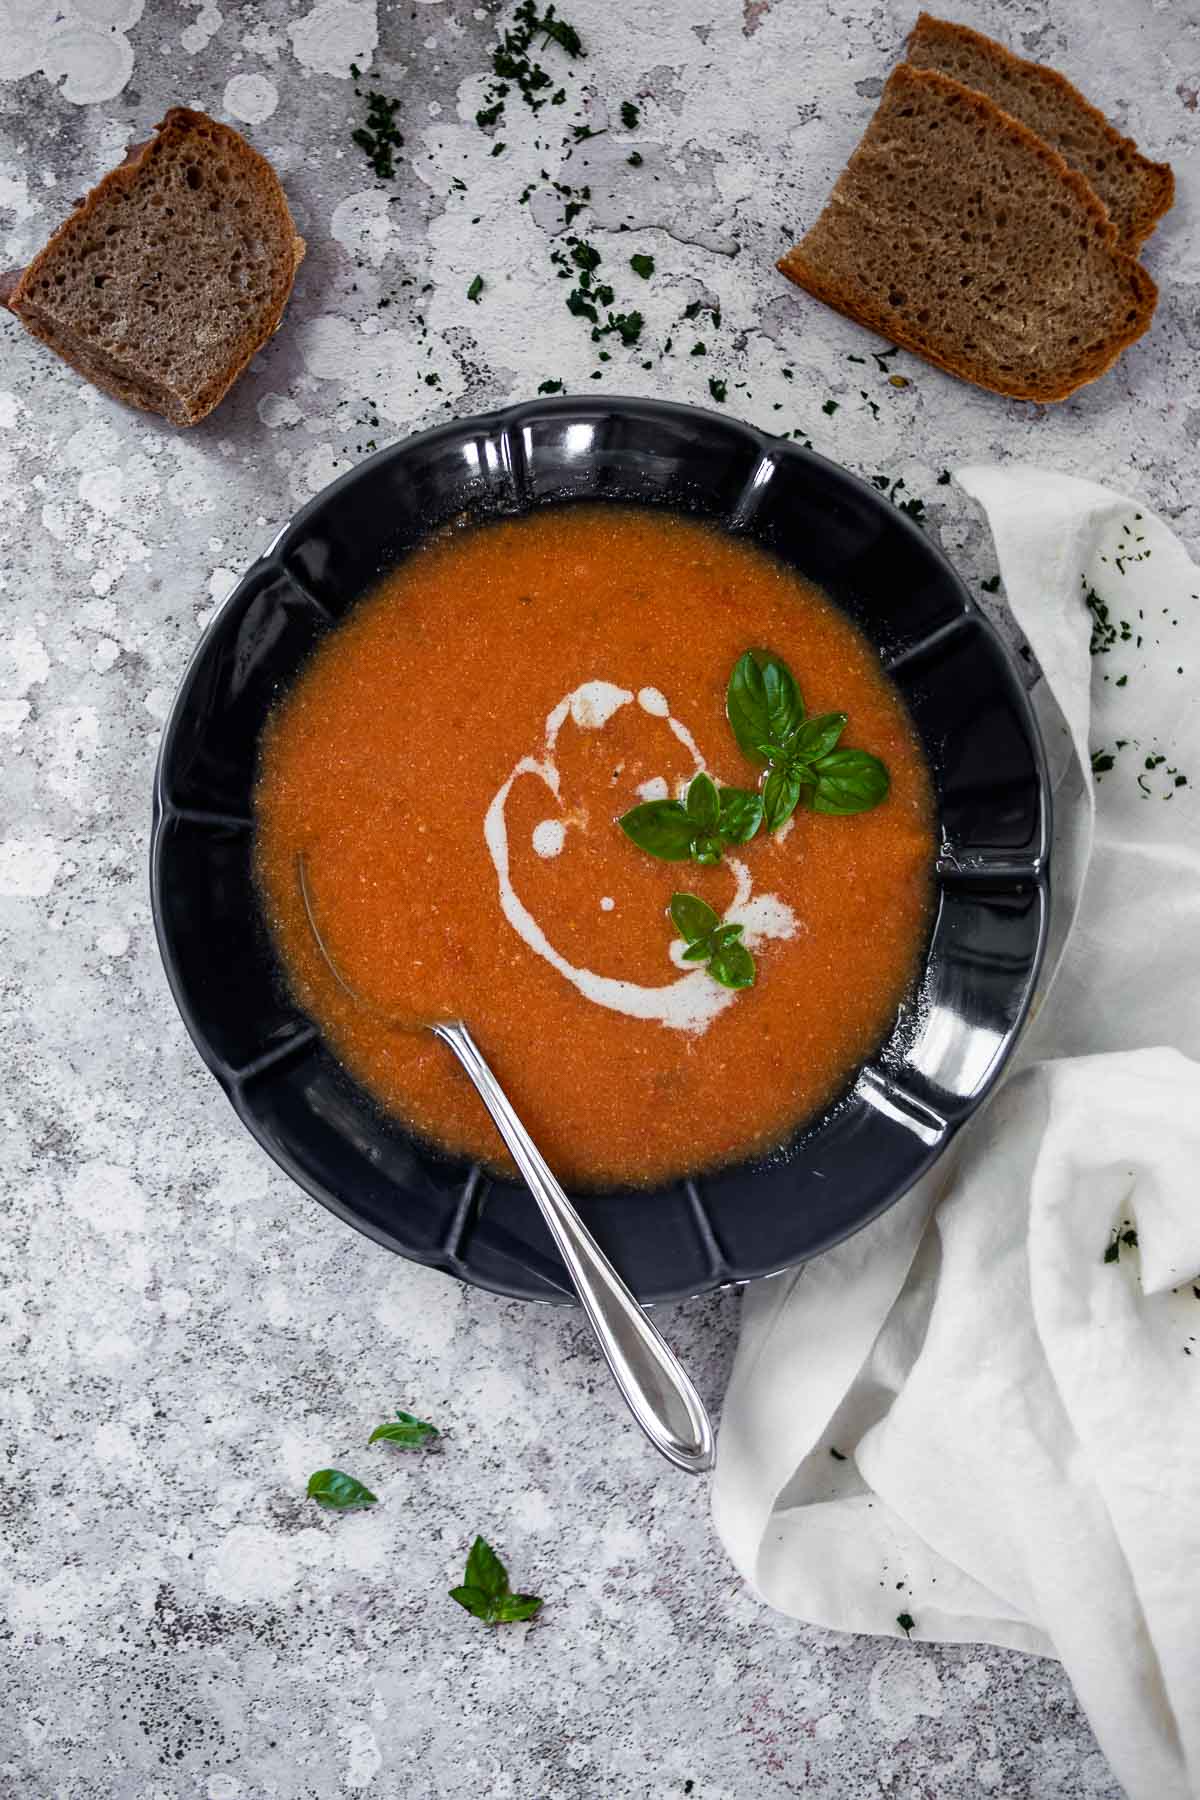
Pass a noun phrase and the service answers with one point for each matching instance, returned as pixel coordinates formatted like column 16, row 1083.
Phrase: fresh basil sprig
column 335, row 1489
column 767, row 716
column 406, row 1431
column 696, row 829
column 710, row 942
column 485, row 1592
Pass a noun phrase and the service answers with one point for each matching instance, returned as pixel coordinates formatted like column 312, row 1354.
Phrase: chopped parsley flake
column 550, row 387
column 642, row 265
column 718, row 389
column 629, row 115
column 829, row 408
column 634, row 159
column 378, row 139
column 475, row 289
column 514, row 66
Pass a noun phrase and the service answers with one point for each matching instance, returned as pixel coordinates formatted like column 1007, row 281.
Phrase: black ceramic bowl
column 969, row 708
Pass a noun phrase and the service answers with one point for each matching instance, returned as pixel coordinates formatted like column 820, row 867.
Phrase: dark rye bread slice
column 1136, row 191
column 172, row 272
column 956, row 232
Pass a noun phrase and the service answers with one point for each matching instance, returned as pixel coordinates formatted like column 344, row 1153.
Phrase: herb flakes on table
column 514, row 63
column 378, row 139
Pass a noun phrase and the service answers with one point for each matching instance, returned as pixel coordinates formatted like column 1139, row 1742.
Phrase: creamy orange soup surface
column 451, row 764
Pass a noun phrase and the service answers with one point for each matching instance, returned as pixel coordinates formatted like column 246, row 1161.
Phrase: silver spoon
column 657, row 1389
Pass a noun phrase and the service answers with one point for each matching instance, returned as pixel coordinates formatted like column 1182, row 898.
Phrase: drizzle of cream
column 653, row 702
column 692, row 1001
column 549, row 836
column 654, row 789
column 607, row 903
column 594, row 704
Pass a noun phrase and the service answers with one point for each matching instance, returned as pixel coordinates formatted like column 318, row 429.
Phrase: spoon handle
column 659, row 1393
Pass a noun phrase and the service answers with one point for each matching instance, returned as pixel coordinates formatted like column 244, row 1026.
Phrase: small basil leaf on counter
column 474, row 1599
column 849, row 781
column 702, row 803
column 514, row 1608
column 733, row 966
column 693, row 918
column 485, row 1570
column 817, row 736
column 762, row 703
column 485, row 1592
column 660, row 827
column 333, row 1488
column 781, row 792
column 740, row 816
column 410, row 1433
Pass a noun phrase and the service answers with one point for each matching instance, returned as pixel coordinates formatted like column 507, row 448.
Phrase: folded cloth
column 979, row 1419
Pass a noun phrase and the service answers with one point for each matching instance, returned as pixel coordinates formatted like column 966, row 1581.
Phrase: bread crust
column 1157, row 191
column 19, row 296
column 894, row 325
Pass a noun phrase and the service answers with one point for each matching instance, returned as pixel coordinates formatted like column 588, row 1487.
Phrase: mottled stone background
column 184, row 1335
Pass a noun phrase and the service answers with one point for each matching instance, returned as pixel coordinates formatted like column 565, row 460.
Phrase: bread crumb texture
column 956, row 232
column 172, row 273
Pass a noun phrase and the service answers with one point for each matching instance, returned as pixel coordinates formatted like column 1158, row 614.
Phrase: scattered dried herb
column 642, row 265
column 378, row 139
column 718, row 389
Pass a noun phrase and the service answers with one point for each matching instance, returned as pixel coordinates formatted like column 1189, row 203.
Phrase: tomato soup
column 449, row 771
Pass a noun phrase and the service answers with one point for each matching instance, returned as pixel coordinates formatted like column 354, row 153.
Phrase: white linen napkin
column 1016, row 1401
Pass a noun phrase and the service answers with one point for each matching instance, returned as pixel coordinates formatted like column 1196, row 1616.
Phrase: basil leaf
column 332, row 1488
column 785, row 709
column 661, row 828
column 700, row 951
column 740, row 816
column 733, row 966
column 405, row 1430
column 474, row 1599
column 516, row 1607
column 706, row 851
column 762, row 703
column 692, row 917
column 485, row 1570
column 849, row 781
column 817, row 736
column 725, row 934
column 485, row 1591
column 781, row 791
column 702, row 803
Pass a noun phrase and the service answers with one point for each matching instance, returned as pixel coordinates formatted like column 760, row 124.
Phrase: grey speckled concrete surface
column 184, row 1336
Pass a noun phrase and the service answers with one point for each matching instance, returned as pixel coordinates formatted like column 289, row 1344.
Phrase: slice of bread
column 1136, row 191
column 956, row 232
column 172, row 272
